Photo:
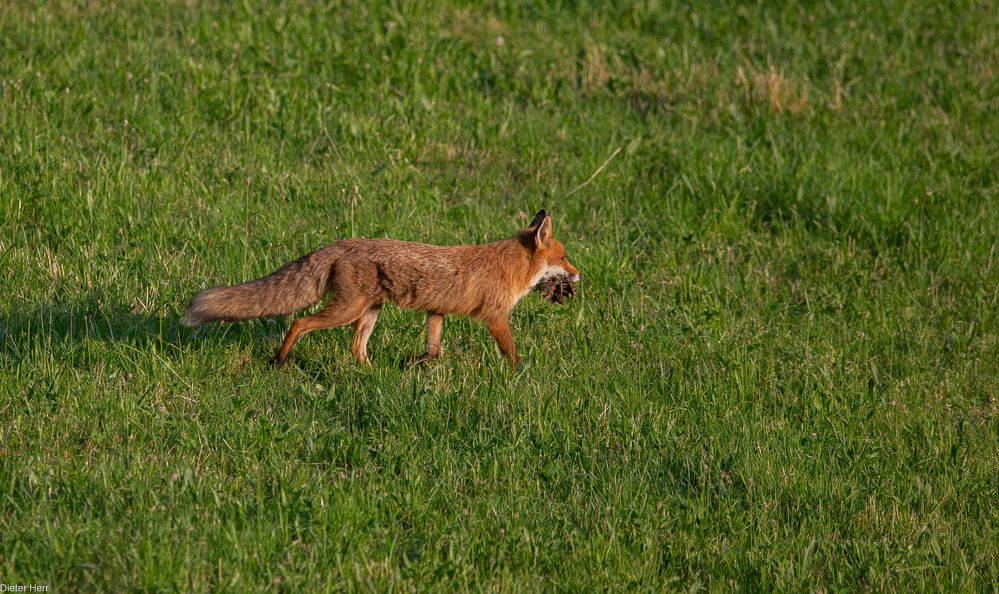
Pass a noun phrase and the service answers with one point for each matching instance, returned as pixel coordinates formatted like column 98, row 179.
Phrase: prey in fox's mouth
column 557, row 288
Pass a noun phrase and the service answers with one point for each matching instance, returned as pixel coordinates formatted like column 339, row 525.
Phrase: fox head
column 549, row 257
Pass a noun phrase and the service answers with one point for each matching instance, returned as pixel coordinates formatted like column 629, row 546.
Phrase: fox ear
column 544, row 233
column 538, row 219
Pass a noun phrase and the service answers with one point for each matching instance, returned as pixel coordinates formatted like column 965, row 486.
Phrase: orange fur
column 483, row 281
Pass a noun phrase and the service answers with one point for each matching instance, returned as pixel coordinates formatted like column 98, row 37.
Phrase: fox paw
column 421, row 358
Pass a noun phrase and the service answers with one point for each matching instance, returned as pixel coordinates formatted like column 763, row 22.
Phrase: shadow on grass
column 58, row 327
column 48, row 325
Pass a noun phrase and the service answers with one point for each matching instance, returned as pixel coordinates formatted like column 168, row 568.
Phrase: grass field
column 780, row 372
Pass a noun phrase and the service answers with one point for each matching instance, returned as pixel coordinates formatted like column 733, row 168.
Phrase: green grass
column 780, row 372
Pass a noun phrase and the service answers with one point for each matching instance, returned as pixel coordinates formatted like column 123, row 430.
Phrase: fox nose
column 577, row 277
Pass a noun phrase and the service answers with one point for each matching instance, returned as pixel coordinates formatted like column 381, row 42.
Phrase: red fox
column 483, row 281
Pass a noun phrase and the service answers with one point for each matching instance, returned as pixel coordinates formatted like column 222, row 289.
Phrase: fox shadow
column 73, row 322
column 59, row 327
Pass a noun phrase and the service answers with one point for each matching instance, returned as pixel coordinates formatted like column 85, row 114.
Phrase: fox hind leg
column 362, row 331
column 338, row 312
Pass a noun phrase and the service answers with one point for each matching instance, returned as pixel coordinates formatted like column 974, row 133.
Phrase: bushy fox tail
column 293, row 287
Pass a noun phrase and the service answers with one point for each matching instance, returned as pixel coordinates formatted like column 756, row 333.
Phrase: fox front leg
column 500, row 329
column 435, row 322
